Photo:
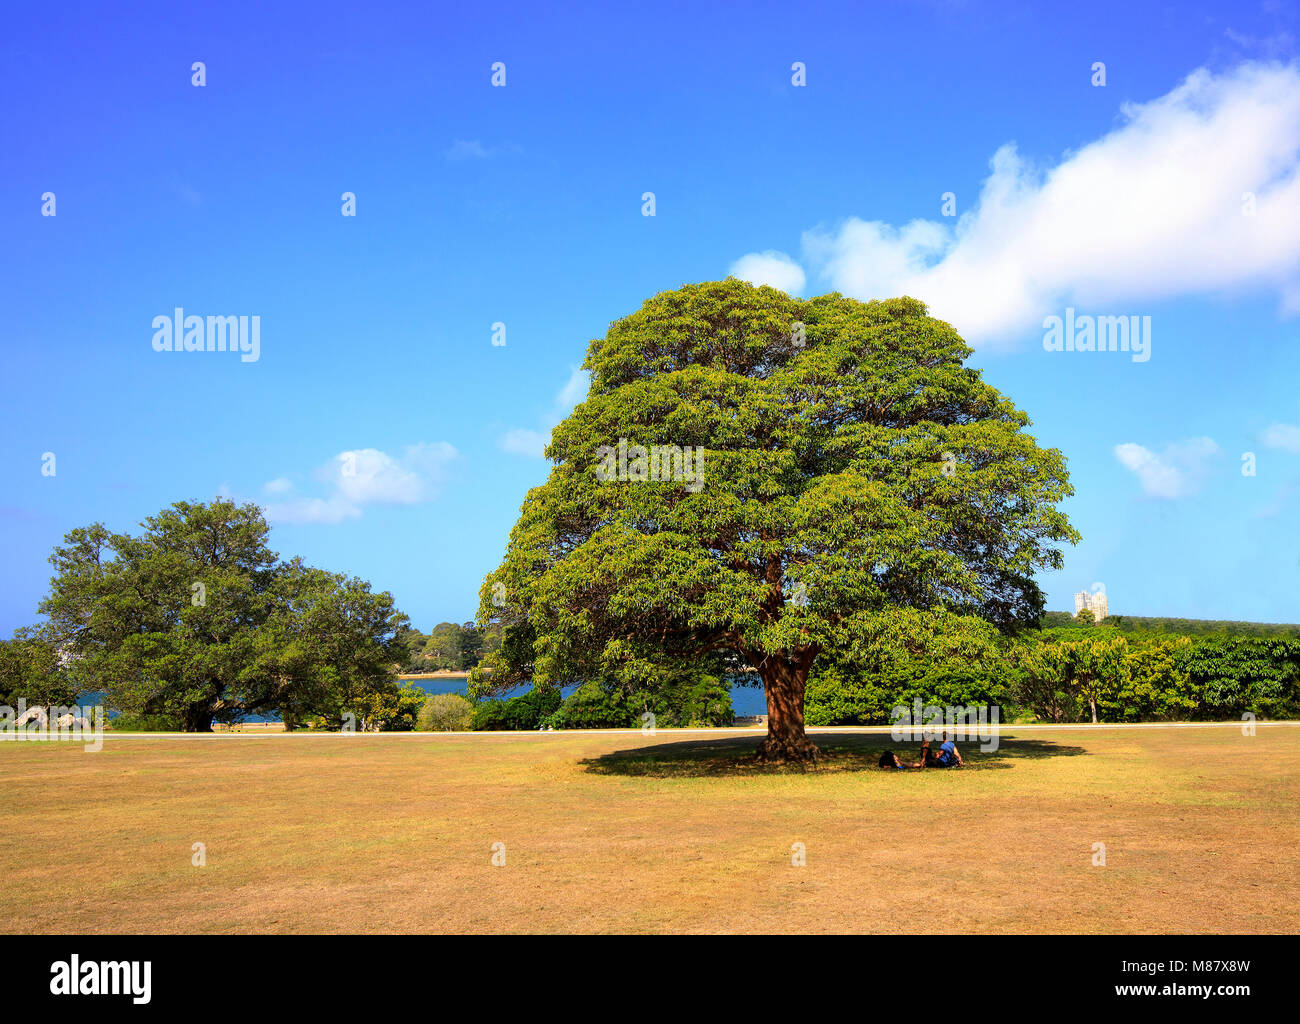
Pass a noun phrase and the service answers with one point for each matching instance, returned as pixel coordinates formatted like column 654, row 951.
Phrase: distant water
column 745, row 700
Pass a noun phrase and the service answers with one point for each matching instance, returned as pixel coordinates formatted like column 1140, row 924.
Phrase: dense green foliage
column 31, row 671
column 445, row 712
column 938, row 658
column 525, row 711
column 1230, row 675
column 1060, row 675
column 678, row 698
column 847, row 463
column 689, row 700
column 1178, row 627
column 197, row 620
column 144, row 723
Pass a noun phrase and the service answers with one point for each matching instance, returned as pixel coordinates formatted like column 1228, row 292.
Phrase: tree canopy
column 197, row 619
column 846, row 463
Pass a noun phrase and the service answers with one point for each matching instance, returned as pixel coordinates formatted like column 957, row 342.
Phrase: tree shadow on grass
column 734, row 756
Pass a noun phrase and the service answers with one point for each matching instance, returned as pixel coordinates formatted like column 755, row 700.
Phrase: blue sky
column 522, row 205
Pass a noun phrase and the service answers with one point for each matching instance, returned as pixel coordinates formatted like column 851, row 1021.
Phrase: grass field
column 619, row 832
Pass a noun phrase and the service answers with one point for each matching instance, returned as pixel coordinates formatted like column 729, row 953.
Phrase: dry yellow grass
column 672, row 833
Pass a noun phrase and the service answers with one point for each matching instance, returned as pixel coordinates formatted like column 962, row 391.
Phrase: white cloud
column 467, row 149
column 573, row 392
column 525, row 442
column 1153, row 209
column 532, row 443
column 362, row 477
column 770, row 267
column 1284, row 436
column 1176, row 472
column 334, row 509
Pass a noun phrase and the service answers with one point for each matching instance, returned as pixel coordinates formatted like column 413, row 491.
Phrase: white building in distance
column 1095, row 603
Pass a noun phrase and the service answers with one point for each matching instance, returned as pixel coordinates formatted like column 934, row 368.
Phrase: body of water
column 745, row 700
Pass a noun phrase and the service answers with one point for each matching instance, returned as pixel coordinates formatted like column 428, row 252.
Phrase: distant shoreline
column 440, row 674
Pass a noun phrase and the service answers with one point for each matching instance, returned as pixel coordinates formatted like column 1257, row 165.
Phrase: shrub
column 680, row 698
column 592, row 706
column 517, row 713
column 445, row 712
column 696, row 700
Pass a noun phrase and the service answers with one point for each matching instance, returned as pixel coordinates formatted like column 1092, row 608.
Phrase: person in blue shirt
column 948, row 753
column 947, row 757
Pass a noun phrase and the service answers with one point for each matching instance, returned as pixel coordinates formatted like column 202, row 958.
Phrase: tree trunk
column 783, row 682
column 1092, row 701
column 199, row 718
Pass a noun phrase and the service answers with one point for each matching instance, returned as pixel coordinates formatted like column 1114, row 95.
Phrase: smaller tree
column 329, row 648
column 32, row 671
column 196, row 619
column 1058, row 675
column 390, row 708
column 1097, row 668
column 1040, row 681
column 443, row 648
column 471, row 646
column 1156, row 685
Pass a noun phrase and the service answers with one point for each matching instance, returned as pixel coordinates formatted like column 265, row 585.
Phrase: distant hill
column 1183, row 627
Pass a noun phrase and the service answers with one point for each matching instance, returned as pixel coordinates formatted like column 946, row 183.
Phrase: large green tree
column 851, row 464
column 197, row 619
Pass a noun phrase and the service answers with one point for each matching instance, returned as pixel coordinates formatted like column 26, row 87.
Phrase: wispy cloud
column 1284, row 436
column 363, row 477
column 532, row 443
column 521, row 441
column 1156, row 208
column 1177, row 471
column 772, row 268
column 467, row 149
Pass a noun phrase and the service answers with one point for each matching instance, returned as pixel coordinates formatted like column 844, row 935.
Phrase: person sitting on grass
column 890, row 760
column 948, row 756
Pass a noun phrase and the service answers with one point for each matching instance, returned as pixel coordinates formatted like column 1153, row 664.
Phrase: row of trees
column 196, row 621
column 451, row 647
column 683, row 698
column 1082, row 673
column 865, row 523
column 1176, row 626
